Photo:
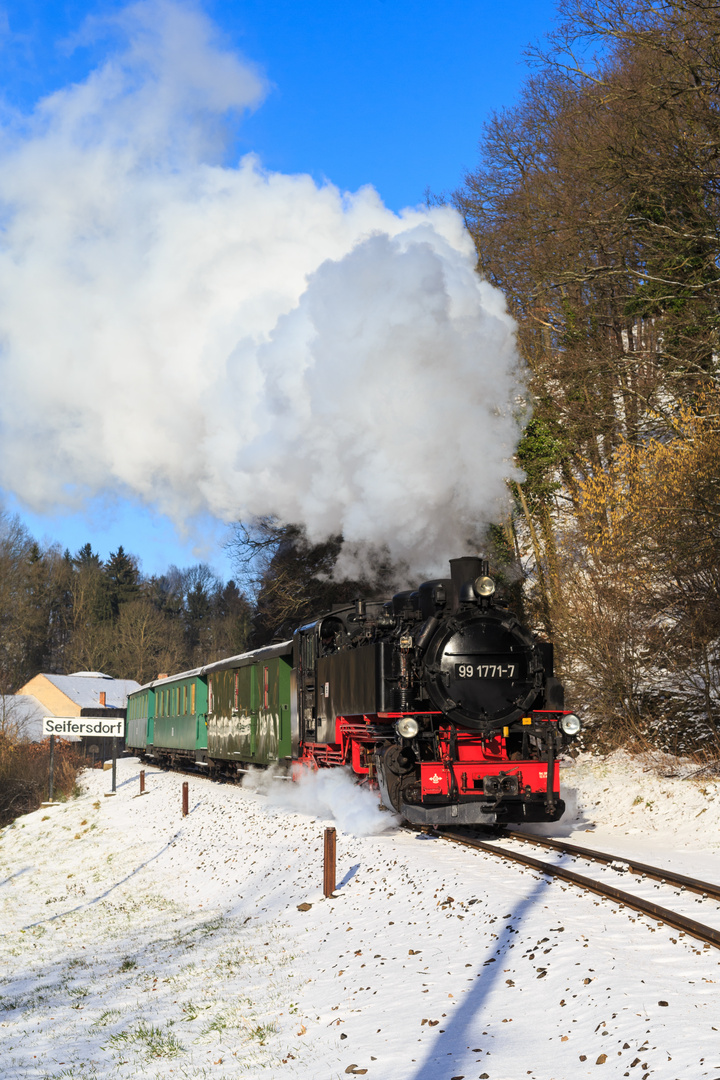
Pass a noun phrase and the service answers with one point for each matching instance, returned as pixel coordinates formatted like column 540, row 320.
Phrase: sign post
column 79, row 726
column 51, row 770
column 329, row 863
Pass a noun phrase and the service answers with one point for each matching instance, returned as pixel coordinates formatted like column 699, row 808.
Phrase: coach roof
column 282, row 648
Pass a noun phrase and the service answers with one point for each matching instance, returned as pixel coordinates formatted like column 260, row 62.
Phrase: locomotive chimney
column 463, row 570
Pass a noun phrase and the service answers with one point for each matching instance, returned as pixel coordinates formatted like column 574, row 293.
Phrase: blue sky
column 391, row 93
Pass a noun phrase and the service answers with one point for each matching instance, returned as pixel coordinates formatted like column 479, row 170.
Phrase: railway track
column 707, row 934
column 666, row 877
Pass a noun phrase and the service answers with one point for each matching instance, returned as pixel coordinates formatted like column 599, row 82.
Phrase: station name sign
column 84, row 725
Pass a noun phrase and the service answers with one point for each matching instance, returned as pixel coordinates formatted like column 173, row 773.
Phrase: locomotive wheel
column 398, row 765
column 399, row 760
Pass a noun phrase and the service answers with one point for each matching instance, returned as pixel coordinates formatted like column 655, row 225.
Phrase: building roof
column 85, row 687
column 22, row 715
column 89, row 675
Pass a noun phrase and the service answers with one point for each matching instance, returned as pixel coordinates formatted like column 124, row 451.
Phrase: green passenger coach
column 180, row 715
column 249, row 715
column 140, row 715
column 167, row 718
column 228, row 714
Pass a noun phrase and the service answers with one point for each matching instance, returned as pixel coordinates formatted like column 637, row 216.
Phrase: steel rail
column 666, row 877
column 707, row 934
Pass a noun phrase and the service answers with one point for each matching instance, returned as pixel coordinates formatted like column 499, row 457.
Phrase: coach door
column 306, row 676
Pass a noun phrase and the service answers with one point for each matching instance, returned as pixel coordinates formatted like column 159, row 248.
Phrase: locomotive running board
column 471, row 813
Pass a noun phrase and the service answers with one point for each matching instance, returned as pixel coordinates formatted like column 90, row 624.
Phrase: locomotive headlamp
column 570, row 724
column 408, row 727
column 484, row 586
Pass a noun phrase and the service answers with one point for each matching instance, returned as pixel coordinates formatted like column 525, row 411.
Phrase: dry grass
column 24, row 769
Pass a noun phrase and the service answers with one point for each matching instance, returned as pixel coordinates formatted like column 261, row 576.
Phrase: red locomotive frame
column 475, row 756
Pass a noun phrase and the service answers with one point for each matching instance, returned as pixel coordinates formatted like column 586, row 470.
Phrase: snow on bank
column 139, row 943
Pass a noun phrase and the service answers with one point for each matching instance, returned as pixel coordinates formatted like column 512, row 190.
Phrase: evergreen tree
column 123, row 580
column 85, row 556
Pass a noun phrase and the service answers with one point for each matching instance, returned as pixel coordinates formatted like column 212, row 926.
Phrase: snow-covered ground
column 141, row 943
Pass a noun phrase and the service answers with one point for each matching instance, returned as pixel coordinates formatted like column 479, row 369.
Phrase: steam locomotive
column 439, row 697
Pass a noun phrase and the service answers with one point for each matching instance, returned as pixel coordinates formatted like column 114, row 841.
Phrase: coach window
column 265, row 688
column 210, row 694
column 192, row 698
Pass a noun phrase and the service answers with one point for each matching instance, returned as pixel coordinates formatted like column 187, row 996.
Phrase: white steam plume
column 224, row 339
column 330, row 794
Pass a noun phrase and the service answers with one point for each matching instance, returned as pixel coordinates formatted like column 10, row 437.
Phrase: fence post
column 185, row 798
column 142, row 781
column 329, row 863
column 51, row 778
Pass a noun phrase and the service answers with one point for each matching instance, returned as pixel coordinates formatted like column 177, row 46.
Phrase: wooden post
column 185, row 798
column 329, row 863
column 142, row 781
column 52, row 766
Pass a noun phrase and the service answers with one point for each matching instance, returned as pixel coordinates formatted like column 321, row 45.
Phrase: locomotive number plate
column 485, row 671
